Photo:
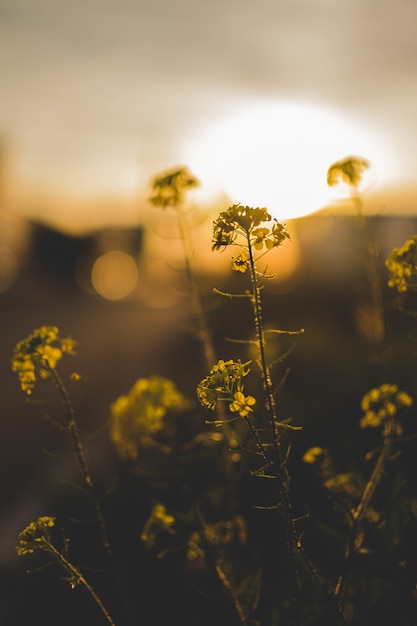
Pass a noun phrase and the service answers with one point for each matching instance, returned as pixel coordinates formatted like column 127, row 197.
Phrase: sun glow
column 277, row 155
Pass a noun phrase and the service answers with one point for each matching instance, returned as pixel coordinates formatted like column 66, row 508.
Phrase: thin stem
column 217, row 571
column 78, row 578
column 282, row 471
column 80, row 455
column 359, row 512
column 372, row 272
column 204, row 333
column 205, row 337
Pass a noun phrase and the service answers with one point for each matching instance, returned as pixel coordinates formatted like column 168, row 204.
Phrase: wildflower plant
column 138, row 417
column 354, row 496
column 350, row 171
column 42, row 351
column 254, row 233
column 402, row 266
column 262, row 558
column 169, row 191
column 225, row 383
column 36, row 539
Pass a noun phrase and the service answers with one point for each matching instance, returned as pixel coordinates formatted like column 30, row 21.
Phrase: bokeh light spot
column 114, row 275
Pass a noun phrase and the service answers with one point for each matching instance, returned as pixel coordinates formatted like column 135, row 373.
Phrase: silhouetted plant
column 222, row 503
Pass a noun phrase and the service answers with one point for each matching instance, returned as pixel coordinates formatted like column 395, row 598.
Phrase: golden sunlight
column 276, row 154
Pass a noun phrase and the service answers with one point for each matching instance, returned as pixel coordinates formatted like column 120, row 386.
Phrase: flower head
column 138, row 416
column 242, row 404
column 383, row 404
column 225, row 382
column 158, row 522
column 314, row 455
column 237, row 219
column 240, row 262
column 42, row 349
column 35, row 537
column 169, row 189
column 402, row 265
column 348, row 170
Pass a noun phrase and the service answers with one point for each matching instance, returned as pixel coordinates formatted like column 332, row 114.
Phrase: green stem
column 359, row 512
column 78, row 578
column 205, row 338
column 372, row 272
column 204, row 333
column 281, row 469
column 217, row 571
column 81, row 458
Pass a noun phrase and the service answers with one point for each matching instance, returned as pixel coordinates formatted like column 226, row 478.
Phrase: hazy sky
column 98, row 95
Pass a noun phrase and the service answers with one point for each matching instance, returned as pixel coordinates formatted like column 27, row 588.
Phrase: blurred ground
column 333, row 364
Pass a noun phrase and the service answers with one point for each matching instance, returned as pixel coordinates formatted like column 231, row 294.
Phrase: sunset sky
column 256, row 98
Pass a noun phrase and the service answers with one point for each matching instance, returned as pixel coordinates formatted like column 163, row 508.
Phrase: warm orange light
column 276, row 154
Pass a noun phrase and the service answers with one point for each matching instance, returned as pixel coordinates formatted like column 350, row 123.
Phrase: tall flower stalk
column 36, row 538
column 350, row 171
column 382, row 409
column 255, row 233
column 39, row 354
column 169, row 191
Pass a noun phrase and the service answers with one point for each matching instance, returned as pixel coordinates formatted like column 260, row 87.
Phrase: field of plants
column 246, row 457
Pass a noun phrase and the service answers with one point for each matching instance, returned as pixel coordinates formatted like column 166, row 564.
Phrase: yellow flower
column 158, row 522
column 34, row 537
column 169, row 189
column 348, row 170
column 382, row 404
column 138, row 416
column 313, row 455
column 242, row 404
column 42, row 349
column 223, row 383
column 402, row 265
column 240, row 262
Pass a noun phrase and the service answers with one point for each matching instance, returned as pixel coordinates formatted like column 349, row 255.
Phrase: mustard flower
column 260, row 240
column 349, row 170
column 402, row 265
column 383, row 404
column 35, row 537
column 346, row 483
column 313, row 455
column 242, row 404
column 138, row 416
column 240, row 262
column 237, row 219
column 42, row 349
column 225, row 382
column 169, row 188
column 158, row 522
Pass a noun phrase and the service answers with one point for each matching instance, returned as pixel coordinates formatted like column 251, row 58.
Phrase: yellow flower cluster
column 35, row 537
column 245, row 220
column 169, row 189
column 158, row 522
column 402, row 265
column 43, row 348
column 224, row 382
column 348, row 170
column 382, row 404
column 139, row 415
column 314, row 455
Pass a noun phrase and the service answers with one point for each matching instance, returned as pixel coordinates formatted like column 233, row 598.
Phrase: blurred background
column 257, row 99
